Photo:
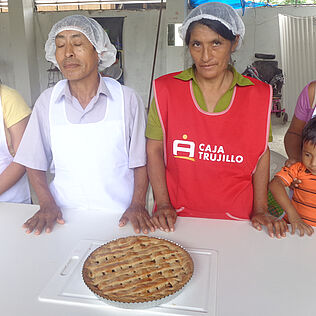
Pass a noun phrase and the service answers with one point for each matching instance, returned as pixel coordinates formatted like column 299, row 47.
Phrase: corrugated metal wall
column 298, row 56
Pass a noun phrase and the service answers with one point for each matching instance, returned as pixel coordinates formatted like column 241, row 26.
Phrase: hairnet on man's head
column 219, row 12
column 94, row 33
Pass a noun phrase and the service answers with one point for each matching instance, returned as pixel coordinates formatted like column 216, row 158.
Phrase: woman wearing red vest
column 207, row 130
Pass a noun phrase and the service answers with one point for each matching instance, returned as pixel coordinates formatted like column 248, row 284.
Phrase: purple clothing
column 303, row 110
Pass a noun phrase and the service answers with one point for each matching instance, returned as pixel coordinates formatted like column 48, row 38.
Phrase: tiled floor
column 277, row 150
column 278, row 131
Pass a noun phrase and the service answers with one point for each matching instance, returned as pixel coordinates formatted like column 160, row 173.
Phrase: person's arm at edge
column 165, row 216
column 293, row 141
column 14, row 171
column 35, row 154
column 260, row 215
column 277, row 188
column 137, row 212
column 292, row 138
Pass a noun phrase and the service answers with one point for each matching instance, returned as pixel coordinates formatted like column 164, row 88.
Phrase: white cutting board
column 197, row 298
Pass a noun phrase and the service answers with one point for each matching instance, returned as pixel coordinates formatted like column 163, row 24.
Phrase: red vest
column 210, row 157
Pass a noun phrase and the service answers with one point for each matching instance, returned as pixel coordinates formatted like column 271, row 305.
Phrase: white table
column 257, row 275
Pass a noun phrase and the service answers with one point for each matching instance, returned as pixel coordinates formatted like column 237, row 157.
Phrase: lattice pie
column 137, row 269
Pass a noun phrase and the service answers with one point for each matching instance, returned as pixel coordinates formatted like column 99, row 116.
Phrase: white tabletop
column 256, row 275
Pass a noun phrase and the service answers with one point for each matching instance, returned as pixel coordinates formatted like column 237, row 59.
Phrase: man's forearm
column 140, row 186
column 38, row 180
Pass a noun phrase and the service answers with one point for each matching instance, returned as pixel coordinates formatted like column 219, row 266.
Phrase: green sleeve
column 153, row 128
column 270, row 134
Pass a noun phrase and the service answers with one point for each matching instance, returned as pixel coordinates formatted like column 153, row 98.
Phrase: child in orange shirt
column 301, row 211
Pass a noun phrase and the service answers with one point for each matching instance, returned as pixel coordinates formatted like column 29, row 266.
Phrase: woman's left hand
column 275, row 226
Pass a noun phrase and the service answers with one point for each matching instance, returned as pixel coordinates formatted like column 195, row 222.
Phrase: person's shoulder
column 128, row 89
column 258, row 83
column 129, row 93
column 169, row 76
column 44, row 97
column 311, row 91
column 9, row 93
column 132, row 100
column 311, row 85
column 13, row 102
column 298, row 167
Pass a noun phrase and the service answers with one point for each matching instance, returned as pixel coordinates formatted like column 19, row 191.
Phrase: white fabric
column 91, row 161
column 35, row 148
column 93, row 32
column 20, row 191
column 219, row 12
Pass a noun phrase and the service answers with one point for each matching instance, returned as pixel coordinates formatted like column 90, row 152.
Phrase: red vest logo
column 184, row 149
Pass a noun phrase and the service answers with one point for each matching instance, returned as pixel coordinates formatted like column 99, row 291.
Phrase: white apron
column 91, row 160
column 20, row 191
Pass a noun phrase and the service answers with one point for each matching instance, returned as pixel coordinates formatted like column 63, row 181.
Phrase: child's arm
column 277, row 188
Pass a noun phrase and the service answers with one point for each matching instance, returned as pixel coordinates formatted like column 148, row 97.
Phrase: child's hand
column 298, row 224
column 295, row 184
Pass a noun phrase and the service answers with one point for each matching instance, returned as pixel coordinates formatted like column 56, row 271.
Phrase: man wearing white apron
column 89, row 130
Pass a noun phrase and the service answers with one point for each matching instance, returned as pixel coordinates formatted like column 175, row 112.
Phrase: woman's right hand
column 165, row 217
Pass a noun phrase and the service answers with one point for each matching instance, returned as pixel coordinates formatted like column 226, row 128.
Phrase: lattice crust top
column 137, row 269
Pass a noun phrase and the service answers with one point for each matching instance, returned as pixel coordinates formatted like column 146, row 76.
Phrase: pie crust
column 137, row 269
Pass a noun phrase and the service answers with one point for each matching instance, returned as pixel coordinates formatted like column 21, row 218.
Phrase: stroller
column 267, row 70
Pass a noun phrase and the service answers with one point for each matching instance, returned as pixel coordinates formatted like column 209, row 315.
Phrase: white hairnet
column 94, row 33
column 216, row 11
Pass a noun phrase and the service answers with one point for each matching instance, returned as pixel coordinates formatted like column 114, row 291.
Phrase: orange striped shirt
column 304, row 197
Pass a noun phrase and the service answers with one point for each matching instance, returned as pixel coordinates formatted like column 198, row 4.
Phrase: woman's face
column 210, row 51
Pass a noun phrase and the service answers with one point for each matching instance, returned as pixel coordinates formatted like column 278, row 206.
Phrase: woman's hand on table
column 165, row 217
column 277, row 227
column 44, row 218
column 139, row 217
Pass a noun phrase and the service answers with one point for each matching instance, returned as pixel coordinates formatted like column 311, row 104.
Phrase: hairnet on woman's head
column 93, row 32
column 215, row 11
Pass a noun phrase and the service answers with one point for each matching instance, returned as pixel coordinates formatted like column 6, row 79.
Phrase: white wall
column 6, row 64
column 139, row 34
column 263, row 36
column 262, row 32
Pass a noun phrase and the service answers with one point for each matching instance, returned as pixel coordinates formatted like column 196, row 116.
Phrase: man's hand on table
column 47, row 216
column 165, row 217
column 274, row 226
column 138, row 215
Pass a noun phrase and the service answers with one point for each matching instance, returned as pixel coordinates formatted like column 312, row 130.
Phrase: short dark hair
column 309, row 132
column 214, row 25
